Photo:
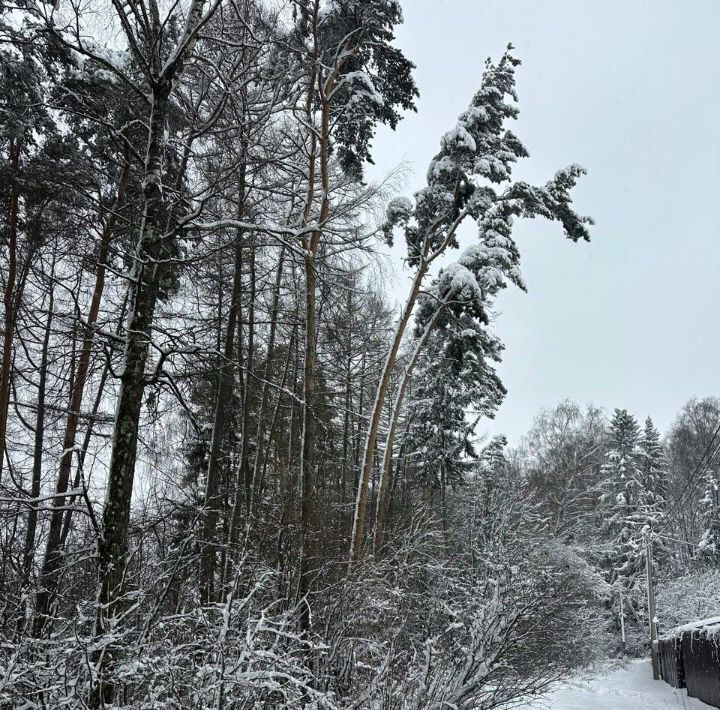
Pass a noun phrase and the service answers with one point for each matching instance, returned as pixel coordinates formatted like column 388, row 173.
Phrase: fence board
column 671, row 661
column 700, row 653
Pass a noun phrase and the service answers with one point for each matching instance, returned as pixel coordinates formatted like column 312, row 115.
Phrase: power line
column 654, row 534
column 698, row 468
column 695, row 486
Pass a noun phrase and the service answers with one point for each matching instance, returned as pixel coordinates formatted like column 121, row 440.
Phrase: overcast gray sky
column 631, row 91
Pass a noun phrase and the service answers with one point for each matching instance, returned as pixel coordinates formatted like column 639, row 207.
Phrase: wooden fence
column 690, row 658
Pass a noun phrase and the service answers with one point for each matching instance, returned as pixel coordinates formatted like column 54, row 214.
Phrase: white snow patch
column 631, row 688
column 460, row 137
column 399, row 208
column 703, row 623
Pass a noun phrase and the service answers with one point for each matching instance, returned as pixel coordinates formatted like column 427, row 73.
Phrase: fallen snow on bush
column 630, row 688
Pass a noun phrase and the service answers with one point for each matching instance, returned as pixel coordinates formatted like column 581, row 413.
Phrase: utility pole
column 651, row 610
column 622, row 620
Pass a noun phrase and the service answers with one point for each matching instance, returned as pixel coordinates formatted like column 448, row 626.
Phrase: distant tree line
column 609, row 488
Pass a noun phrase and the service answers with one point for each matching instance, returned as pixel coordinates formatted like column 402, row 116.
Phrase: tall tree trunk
column 307, row 446
column 67, row 520
column 222, row 420
column 347, row 343
column 308, row 464
column 272, row 424
column 347, row 406
column 39, row 440
column 286, row 481
column 358, row 430
column 358, row 531
column 243, row 483
column 257, row 482
column 143, row 292
column 307, row 438
column 53, row 558
column 8, row 300
column 82, row 453
column 386, row 469
column 429, row 253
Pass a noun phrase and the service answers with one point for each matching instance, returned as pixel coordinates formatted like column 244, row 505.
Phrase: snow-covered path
column 632, row 688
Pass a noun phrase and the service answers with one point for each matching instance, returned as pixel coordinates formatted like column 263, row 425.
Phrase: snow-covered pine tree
column 453, row 318
column 623, row 483
column 469, row 177
column 621, row 468
column 635, row 474
column 653, row 464
column 455, row 376
column 710, row 503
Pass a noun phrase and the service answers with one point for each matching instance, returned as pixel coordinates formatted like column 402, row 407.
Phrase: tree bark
column 386, row 470
column 222, row 420
column 143, row 292
column 307, row 437
column 52, row 558
column 358, row 530
column 39, row 440
column 8, row 301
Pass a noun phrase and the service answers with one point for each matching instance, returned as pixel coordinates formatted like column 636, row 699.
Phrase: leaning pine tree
column 469, row 178
column 455, row 355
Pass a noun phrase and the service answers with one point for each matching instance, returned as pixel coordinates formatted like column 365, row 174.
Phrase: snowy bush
column 690, row 598
column 242, row 653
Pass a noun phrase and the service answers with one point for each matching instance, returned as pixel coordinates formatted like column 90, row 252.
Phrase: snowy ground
column 632, row 688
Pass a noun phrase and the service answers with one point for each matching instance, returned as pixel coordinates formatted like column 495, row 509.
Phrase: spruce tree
column 653, row 464
column 652, row 501
column 456, row 384
column 623, row 481
column 635, row 474
column 710, row 507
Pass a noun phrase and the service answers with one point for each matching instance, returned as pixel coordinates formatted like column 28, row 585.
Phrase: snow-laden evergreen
column 710, row 510
column 625, row 498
